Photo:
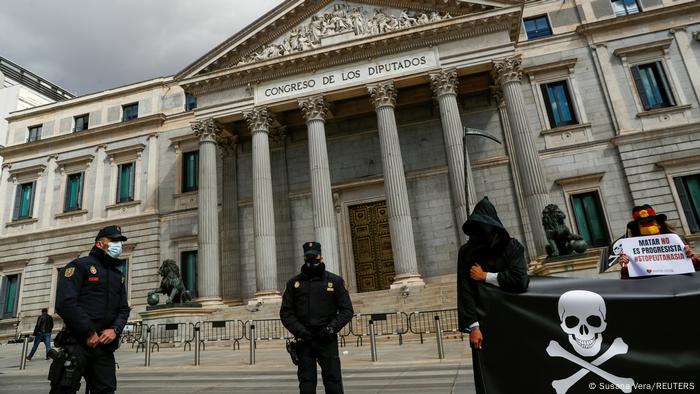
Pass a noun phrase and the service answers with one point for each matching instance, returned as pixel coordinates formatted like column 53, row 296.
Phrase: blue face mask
column 114, row 249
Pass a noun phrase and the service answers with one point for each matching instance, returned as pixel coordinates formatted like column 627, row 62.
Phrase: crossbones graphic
column 582, row 315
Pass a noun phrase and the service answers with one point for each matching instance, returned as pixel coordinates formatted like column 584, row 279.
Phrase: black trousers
column 97, row 366
column 478, row 379
column 326, row 354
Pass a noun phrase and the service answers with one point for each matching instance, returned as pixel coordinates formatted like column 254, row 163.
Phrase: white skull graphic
column 582, row 315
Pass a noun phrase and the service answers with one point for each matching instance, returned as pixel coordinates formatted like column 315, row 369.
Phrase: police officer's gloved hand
column 327, row 335
column 306, row 336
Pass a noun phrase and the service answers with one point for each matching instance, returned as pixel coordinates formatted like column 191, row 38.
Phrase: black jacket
column 91, row 295
column 315, row 299
column 44, row 324
column 507, row 258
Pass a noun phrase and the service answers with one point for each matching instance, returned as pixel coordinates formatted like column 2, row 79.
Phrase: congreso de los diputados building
column 343, row 122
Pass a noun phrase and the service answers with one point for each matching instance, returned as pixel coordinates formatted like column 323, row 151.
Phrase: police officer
column 92, row 301
column 315, row 306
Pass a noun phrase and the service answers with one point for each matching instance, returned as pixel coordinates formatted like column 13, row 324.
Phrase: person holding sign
column 647, row 223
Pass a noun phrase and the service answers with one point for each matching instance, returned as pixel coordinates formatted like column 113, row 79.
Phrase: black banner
column 592, row 336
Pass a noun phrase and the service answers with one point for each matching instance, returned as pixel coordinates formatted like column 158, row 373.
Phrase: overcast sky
column 86, row 46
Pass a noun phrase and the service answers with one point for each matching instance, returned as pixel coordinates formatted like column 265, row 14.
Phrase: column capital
column 278, row 135
column 507, row 70
column 313, row 108
column 208, row 130
column 258, row 119
column 228, row 145
column 444, row 82
column 383, row 94
column 498, row 95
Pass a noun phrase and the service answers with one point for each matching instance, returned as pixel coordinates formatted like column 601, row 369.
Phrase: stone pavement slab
column 409, row 368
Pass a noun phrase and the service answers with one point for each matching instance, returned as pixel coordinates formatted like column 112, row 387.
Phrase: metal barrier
column 133, row 333
column 222, row 330
column 421, row 323
column 175, row 333
column 269, row 329
column 25, row 348
column 344, row 333
column 252, row 337
column 385, row 324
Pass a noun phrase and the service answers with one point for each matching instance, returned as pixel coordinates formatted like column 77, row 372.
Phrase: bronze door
column 371, row 245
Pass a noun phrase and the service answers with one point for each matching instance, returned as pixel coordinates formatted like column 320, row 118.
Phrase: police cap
column 112, row 232
column 312, row 248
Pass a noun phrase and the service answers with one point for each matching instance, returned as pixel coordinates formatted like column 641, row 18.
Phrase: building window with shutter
column 688, row 188
column 190, row 171
column 590, row 219
column 34, row 133
column 188, row 271
column 652, row 86
column 124, row 269
column 130, row 111
column 81, row 122
column 9, row 296
column 625, row 7
column 24, row 201
column 557, row 101
column 537, row 27
column 74, row 192
column 125, row 182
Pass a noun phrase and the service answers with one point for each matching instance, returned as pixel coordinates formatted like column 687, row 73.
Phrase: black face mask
column 312, row 260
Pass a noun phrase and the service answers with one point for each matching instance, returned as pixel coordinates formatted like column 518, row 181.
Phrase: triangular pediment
column 296, row 26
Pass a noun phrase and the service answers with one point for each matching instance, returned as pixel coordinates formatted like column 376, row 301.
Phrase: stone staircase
column 438, row 293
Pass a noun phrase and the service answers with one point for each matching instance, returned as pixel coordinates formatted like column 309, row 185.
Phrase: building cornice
column 73, row 138
column 359, row 50
column 92, row 97
column 660, row 45
column 638, row 19
column 566, row 63
column 655, row 135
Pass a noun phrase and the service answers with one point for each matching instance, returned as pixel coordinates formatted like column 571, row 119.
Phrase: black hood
column 484, row 212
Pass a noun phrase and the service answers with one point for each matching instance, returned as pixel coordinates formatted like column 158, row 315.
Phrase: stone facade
column 289, row 143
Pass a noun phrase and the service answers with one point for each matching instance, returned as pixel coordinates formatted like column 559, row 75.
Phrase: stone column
column 208, row 285
column 507, row 74
column 325, row 232
column 444, row 86
column 263, row 210
column 230, row 248
column 98, row 202
column 5, row 210
column 152, row 177
column 400, row 223
column 515, row 173
column 47, row 206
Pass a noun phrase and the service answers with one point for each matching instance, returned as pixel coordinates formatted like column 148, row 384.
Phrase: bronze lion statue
column 171, row 284
column 560, row 240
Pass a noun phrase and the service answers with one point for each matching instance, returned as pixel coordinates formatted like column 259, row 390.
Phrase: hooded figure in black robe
column 492, row 257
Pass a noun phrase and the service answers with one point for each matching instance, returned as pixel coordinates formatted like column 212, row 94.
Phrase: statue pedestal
column 546, row 266
column 188, row 309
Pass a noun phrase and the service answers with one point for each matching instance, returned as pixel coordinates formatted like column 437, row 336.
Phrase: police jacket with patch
column 506, row 259
column 91, row 295
column 315, row 299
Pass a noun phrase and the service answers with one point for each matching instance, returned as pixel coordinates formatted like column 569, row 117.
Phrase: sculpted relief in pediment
column 341, row 22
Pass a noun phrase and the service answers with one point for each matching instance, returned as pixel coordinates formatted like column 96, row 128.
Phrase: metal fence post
column 147, row 349
column 438, row 335
column 197, row 336
column 25, row 348
column 252, row 344
column 372, row 341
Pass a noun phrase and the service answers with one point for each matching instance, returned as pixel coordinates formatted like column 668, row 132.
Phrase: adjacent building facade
column 343, row 122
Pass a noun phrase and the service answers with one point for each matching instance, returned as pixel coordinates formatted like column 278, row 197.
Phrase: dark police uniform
column 315, row 306
column 90, row 298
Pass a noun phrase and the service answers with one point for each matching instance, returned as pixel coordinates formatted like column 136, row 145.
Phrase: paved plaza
column 409, row 368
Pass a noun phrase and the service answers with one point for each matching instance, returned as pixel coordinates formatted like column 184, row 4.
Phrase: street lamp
column 467, row 132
